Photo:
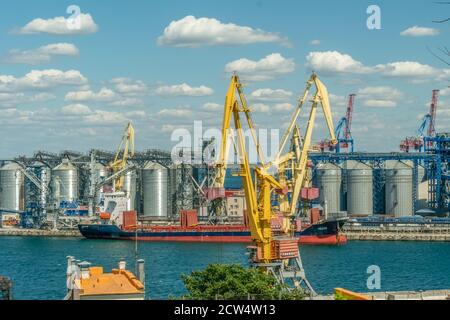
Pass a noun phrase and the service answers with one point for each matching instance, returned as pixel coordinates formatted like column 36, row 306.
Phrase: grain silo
column 12, row 185
column 154, row 190
column 422, row 189
column 329, row 180
column 130, row 189
column 65, row 182
column 399, row 187
column 359, row 189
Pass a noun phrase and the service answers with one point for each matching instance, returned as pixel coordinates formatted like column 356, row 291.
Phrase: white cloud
column 195, row 32
column 104, row 94
column 183, row 90
column 380, row 92
column 41, row 79
column 60, row 26
column 379, row 103
column 407, row 69
column 15, row 98
column 335, row 62
column 129, row 87
column 260, row 107
column 417, row 31
column 177, row 113
column 42, row 54
column 139, row 114
column 445, row 92
column 102, row 117
column 315, row 42
column 339, row 101
column 270, row 67
column 126, row 102
column 76, row 110
column 283, row 107
column 270, row 94
column 210, row 106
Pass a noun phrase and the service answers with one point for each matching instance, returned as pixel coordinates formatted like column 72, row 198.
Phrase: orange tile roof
column 116, row 283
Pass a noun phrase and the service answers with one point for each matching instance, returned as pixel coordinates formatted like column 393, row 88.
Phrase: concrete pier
column 398, row 233
column 39, row 233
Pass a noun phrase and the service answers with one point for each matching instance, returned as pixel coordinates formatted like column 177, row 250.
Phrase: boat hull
column 326, row 233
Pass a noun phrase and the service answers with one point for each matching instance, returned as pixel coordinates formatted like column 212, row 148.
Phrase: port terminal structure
column 435, row 160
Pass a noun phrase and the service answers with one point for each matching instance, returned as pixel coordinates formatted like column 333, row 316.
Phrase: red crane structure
column 343, row 131
column 428, row 121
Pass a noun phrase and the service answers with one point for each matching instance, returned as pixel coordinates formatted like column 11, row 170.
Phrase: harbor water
column 37, row 265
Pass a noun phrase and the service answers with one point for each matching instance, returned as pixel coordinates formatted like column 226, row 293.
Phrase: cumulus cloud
column 270, row 94
column 333, row 62
column 195, row 32
column 41, row 79
column 15, row 98
column 177, row 113
column 283, row 107
column 42, row 54
column 381, row 96
column 60, row 26
column 104, row 94
column 270, row 67
column 417, row 31
column 76, row 110
column 183, row 90
column 128, row 86
column 315, row 42
column 210, row 106
column 102, row 117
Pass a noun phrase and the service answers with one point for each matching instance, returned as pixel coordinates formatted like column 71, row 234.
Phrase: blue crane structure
column 343, row 131
column 427, row 128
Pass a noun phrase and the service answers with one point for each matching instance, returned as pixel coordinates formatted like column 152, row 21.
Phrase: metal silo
column 154, row 190
column 359, row 189
column 422, row 190
column 65, row 182
column 399, row 187
column 329, row 179
column 12, row 185
column 129, row 187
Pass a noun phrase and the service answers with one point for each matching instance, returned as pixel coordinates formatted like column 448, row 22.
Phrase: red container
column 314, row 215
column 129, row 219
column 214, row 193
column 309, row 193
column 284, row 248
column 188, row 218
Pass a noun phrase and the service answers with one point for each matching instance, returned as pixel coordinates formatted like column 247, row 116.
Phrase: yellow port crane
column 124, row 152
column 278, row 256
column 298, row 157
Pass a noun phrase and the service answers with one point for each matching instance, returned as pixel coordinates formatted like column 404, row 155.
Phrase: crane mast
column 124, row 152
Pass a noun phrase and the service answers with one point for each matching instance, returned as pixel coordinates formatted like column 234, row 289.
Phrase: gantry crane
column 428, row 123
column 124, row 152
column 278, row 256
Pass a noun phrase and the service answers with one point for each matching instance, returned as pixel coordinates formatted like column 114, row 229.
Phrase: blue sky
column 115, row 69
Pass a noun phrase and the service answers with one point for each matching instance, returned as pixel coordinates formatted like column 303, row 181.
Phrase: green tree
column 234, row 282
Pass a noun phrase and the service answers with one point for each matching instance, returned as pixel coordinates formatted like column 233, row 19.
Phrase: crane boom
column 124, row 152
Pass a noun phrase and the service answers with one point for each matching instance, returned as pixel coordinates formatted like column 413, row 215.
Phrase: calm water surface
column 38, row 265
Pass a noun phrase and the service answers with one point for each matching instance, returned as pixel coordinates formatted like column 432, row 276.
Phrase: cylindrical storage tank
column 129, row 187
column 422, row 190
column 359, row 189
column 12, row 185
column 329, row 179
column 65, row 182
column 154, row 190
column 99, row 173
column 399, row 186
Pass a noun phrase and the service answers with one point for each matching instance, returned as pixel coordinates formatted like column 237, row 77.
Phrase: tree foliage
column 234, row 282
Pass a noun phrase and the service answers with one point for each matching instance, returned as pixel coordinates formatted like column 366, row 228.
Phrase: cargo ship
column 119, row 224
column 324, row 232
